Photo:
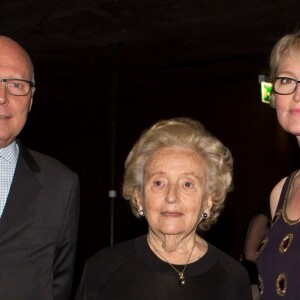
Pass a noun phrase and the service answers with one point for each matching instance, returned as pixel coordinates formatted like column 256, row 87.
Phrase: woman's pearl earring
column 204, row 216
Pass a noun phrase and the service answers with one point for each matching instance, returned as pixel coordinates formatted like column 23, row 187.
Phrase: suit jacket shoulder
column 49, row 171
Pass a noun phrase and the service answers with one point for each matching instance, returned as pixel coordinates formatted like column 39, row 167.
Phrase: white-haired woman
column 176, row 177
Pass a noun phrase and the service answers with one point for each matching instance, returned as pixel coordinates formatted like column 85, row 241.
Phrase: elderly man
column 39, row 196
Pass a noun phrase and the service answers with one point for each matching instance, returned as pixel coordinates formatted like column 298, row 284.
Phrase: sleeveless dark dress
column 278, row 258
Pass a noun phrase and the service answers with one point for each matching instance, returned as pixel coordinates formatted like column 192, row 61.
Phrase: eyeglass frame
column 6, row 80
column 283, row 77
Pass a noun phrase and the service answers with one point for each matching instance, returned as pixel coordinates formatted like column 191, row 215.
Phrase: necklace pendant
column 181, row 279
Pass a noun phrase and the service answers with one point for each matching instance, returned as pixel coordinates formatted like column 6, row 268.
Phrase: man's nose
column 3, row 98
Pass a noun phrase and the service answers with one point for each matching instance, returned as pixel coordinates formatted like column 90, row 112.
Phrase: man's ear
column 30, row 105
column 31, row 99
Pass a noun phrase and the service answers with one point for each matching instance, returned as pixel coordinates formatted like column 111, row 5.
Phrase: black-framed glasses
column 285, row 85
column 17, row 87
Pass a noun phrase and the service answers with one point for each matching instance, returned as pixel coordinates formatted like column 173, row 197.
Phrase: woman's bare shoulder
column 275, row 194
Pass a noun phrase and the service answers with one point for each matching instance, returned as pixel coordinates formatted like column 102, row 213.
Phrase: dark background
column 106, row 70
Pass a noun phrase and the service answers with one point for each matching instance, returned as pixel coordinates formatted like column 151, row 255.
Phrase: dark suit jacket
column 38, row 230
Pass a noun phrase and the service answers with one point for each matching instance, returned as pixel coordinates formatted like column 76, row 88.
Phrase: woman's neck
column 177, row 249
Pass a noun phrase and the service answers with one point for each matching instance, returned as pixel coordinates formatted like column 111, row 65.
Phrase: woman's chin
column 171, row 230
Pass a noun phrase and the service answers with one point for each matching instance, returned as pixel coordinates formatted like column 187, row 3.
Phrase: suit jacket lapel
column 24, row 189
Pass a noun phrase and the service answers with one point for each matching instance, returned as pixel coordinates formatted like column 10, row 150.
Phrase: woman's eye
column 157, row 183
column 287, row 80
column 188, row 184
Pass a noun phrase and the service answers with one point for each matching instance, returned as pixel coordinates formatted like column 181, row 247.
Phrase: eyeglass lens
column 17, row 87
column 285, row 85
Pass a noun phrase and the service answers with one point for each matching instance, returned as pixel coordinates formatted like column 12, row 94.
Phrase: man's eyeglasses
column 285, row 85
column 17, row 87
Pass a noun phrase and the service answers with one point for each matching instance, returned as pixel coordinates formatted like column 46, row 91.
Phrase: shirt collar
column 10, row 153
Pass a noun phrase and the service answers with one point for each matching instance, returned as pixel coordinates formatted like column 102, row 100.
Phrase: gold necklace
column 180, row 274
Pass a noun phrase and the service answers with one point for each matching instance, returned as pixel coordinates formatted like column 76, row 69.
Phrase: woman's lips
column 171, row 214
column 295, row 111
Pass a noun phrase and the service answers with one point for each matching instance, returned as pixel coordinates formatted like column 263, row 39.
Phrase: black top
column 131, row 270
